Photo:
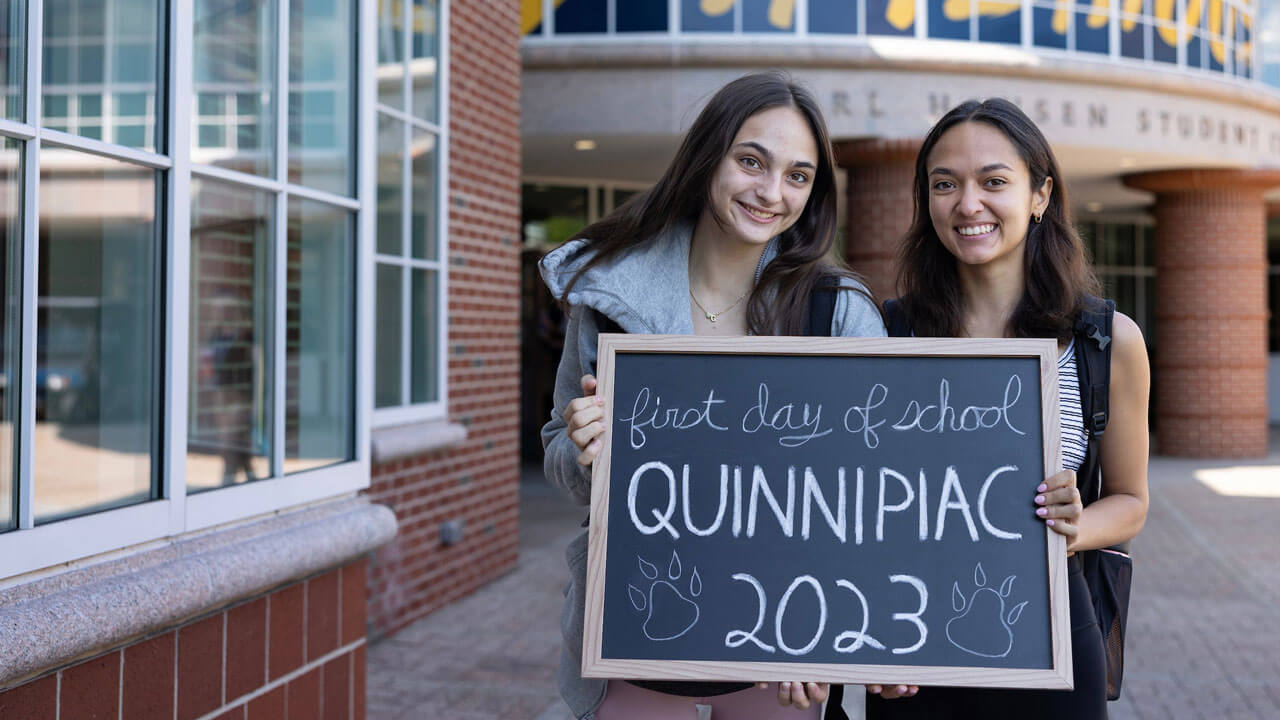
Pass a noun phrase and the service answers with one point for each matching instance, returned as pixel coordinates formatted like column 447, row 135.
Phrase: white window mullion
column 16, row 130
column 280, row 248
column 30, row 271
column 406, row 46
column 366, row 218
column 442, row 212
column 145, row 158
column 406, row 273
column 177, row 276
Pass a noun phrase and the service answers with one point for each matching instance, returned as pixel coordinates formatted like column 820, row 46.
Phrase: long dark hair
column 1059, row 279
column 684, row 190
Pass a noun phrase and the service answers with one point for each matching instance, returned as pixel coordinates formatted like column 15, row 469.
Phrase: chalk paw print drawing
column 983, row 627
column 671, row 613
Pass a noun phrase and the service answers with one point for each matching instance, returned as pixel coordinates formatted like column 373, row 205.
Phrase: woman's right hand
column 585, row 420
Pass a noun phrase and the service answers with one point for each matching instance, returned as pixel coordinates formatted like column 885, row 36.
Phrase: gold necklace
column 713, row 315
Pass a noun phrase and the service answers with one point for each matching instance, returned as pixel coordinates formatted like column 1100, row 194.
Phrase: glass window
column 425, row 310
column 640, row 16
column 423, row 225
column 229, row 391
column 388, row 343
column 833, row 16
column 1134, row 29
column 1164, row 42
column 320, row 339
column 321, row 92
column 10, row 264
column 391, row 53
column 426, row 51
column 96, row 368
column 703, row 16
column 234, row 90
column 13, row 66
column 1000, row 22
column 581, row 16
column 765, row 16
column 947, row 20
column 390, row 232
column 891, row 17
column 1049, row 27
column 1092, row 27
column 95, row 49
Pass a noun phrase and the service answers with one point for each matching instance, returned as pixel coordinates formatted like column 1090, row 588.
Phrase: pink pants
column 624, row 701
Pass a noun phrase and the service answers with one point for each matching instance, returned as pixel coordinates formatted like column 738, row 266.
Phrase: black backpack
column 1108, row 571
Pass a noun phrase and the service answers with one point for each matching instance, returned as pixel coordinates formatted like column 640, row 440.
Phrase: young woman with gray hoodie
column 732, row 240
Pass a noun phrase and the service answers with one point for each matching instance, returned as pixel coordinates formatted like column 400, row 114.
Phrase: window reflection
column 229, row 386
column 96, row 369
column 424, row 68
column 101, row 69
column 391, row 53
column 390, row 230
column 891, row 17
column 321, row 87
column 13, row 66
column 423, row 152
column 701, row 16
column 319, row 362
column 426, row 336
column 388, row 354
column 10, row 262
column 234, row 100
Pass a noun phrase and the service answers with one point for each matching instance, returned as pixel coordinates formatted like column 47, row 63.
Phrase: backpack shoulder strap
column 895, row 319
column 822, row 307
column 1092, row 334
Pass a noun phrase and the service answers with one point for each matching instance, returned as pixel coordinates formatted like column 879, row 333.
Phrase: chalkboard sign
column 826, row 509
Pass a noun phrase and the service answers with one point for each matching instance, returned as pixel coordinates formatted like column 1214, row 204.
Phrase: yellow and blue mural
column 1217, row 35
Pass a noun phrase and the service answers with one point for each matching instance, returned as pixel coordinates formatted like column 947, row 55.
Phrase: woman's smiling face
column 981, row 197
column 762, row 184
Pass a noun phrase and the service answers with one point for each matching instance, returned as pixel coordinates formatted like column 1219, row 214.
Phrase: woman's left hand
column 800, row 694
column 1058, row 502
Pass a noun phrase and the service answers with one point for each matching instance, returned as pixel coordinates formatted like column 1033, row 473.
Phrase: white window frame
column 435, row 410
column 67, row 543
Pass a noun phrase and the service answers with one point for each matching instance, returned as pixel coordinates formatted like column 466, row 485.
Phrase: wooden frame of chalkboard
column 782, row 615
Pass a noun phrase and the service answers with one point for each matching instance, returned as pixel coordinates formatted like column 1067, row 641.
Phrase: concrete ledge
column 401, row 441
column 51, row 622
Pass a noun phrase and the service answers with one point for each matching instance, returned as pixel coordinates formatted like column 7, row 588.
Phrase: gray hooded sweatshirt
column 644, row 290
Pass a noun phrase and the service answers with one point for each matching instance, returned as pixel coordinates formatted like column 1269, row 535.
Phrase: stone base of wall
column 296, row 653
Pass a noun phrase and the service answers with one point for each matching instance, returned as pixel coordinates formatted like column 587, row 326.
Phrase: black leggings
column 1088, row 701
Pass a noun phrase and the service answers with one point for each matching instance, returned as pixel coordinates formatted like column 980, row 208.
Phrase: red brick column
column 1211, row 310
column 878, row 202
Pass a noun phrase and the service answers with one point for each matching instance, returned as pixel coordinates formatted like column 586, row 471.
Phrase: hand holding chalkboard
column 584, row 418
column 844, row 510
column 1061, row 505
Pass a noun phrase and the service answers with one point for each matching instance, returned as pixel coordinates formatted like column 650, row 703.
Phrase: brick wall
column 476, row 481
column 878, row 206
column 294, row 654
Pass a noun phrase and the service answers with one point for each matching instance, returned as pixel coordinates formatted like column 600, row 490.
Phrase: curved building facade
column 1164, row 114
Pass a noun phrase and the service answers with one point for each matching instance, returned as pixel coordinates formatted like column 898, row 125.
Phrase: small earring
column 1037, row 217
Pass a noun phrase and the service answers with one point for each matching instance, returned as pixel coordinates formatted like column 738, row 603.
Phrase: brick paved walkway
column 1204, row 627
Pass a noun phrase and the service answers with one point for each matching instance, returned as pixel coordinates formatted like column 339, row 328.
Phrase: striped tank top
column 1074, row 439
